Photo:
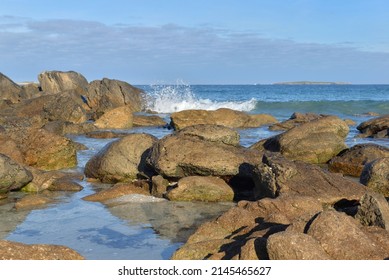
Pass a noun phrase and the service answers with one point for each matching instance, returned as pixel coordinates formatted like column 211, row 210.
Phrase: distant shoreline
column 311, row 83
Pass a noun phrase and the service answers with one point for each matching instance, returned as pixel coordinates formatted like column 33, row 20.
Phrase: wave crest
column 174, row 98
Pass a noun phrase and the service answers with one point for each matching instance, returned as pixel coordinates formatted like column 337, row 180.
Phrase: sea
column 139, row 227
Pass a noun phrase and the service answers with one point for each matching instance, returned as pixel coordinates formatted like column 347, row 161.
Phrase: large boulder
column 278, row 175
column 107, row 94
column 9, row 148
column 351, row 161
column 294, row 246
column 224, row 117
column 180, row 155
column 13, row 176
column 121, row 160
column 118, row 118
column 143, row 120
column 9, row 90
column 201, row 188
column 377, row 127
column 313, row 142
column 17, row 251
column 57, row 81
column 343, row 238
column 375, row 176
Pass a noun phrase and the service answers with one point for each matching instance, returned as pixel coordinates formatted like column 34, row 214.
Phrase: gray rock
column 374, row 211
column 9, row 90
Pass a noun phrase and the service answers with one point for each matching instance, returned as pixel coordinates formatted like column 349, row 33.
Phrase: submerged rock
column 224, row 117
column 351, row 161
column 32, row 201
column 17, row 251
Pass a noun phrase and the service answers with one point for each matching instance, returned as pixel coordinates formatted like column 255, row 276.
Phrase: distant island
column 311, row 83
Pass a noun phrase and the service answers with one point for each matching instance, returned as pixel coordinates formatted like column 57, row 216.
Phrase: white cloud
column 202, row 53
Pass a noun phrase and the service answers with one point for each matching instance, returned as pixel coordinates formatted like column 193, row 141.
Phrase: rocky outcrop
column 107, row 94
column 201, row 188
column 295, row 120
column 377, row 127
column 225, row 117
column 118, row 118
column 351, row 161
column 278, row 175
column 57, row 81
column 313, row 142
column 9, row 90
column 375, row 175
column 121, row 160
column 17, row 251
column 13, row 176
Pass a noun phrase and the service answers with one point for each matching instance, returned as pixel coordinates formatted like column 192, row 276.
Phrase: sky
column 199, row 41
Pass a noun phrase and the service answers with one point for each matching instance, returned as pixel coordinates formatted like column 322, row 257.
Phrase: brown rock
column 377, row 127
column 17, row 251
column 32, row 201
column 199, row 188
column 342, row 237
column 295, row 120
column 159, row 186
column 224, row 117
column 351, row 161
column 375, row 176
column 199, row 251
column 374, row 211
column 213, row 133
column 9, row 148
column 105, row 134
column 178, row 156
column 65, row 184
column 47, row 151
column 106, row 94
column 119, row 190
column 142, row 120
column 118, row 118
column 279, row 176
column 314, row 142
column 121, row 160
column 57, row 81
column 9, row 90
column 294, row 246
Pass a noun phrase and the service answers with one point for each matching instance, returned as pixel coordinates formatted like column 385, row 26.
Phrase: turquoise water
column 140, row 228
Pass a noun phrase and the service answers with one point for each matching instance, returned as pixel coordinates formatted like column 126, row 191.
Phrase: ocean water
column 138, row 227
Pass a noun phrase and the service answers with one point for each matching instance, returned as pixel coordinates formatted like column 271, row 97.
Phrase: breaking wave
column 174, row 98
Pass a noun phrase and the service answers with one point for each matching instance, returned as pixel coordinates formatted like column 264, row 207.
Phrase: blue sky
column 210, row 42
